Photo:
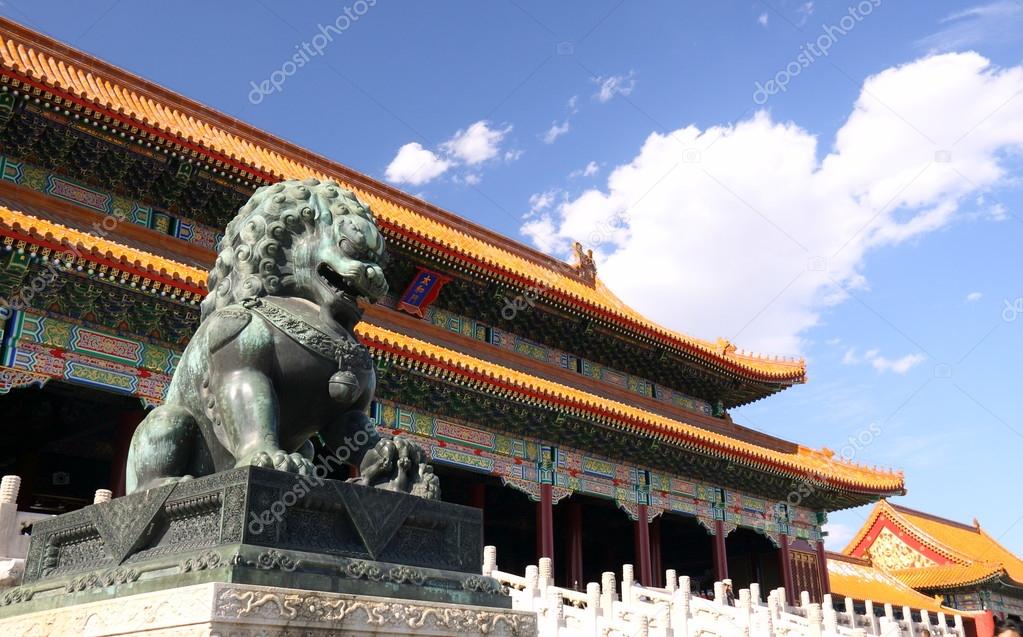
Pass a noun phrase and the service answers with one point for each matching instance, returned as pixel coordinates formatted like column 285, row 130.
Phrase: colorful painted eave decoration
column 75, row 246
column 40, row 66
column 811, row 466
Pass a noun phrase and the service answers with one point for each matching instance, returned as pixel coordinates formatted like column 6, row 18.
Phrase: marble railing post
column 745, row 607
column 670, row 580
column 608, row 592
column 719, row 593
column 489, row 559
column 850, row 612
column 627, row 582
column 593, row 603
column 813, row 620
column 907, row 617
column 829, row 614
column 872, row 626
column 960, row 629
column 533, row 585
column 9, row 487
column 546, row 573
column 925, row 621
column 680, row 621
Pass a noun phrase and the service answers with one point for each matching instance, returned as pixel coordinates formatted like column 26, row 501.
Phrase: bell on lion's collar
column 344, row 387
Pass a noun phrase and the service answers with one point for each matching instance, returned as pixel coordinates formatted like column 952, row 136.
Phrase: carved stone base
column 242, row 610
column 259, row 527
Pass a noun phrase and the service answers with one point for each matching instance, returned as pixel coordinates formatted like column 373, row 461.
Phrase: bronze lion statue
column 274, row 360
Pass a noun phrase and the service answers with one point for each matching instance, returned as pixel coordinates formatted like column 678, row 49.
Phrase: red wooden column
column 545, row 522
column 643, row 546
column 822, row 564
column 575, row 545
column 655, row 551
column 720, row 552
column 786, row 569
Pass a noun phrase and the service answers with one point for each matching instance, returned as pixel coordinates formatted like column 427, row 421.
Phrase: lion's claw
column 261, row 459
column 282, row 461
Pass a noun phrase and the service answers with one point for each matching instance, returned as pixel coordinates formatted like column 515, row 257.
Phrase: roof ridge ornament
column 583, row 264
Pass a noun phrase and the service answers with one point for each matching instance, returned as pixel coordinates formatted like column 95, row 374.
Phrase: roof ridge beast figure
column 274, row 360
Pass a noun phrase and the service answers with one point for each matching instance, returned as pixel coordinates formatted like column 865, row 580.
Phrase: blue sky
column 866, row 217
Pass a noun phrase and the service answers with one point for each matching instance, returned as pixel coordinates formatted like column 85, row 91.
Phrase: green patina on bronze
column 274, row 360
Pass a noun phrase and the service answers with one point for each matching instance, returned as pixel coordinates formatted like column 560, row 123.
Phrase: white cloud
column 474, row 145
column 985, row 24
column 973, row 297
column 477, row 143
column 898, row 365
column 573, row 104
column 838, row 536
column 541, row 201
column 415, row 165
column 747, row 232
column 762, row 19
column 555, row 131
column 589, row 170
column 614, row 85
column 881, row 363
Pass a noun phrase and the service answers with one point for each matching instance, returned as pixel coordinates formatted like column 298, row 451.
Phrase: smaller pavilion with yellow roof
column 958, row 565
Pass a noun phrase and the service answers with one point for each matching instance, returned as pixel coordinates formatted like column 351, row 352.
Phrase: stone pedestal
column 242, row 610
column 259, row 528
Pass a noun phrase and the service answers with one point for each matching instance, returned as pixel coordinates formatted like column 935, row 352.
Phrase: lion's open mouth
column 337, row 282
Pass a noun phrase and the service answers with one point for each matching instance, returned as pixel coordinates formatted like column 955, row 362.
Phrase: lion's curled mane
column 254, row 256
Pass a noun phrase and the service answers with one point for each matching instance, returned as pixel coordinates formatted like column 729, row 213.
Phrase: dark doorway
column 752, row 558
column 608, row 538
column 65, row 441
column 688, row 547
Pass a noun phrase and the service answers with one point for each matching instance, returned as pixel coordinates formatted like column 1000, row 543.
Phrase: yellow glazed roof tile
column 45, row 67
column 861, row 581
column 948, row 575
column 28, row 227
column 972, row 542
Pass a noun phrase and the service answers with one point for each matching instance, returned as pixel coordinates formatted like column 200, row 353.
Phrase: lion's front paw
column 428, row 484
column 283, row 461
